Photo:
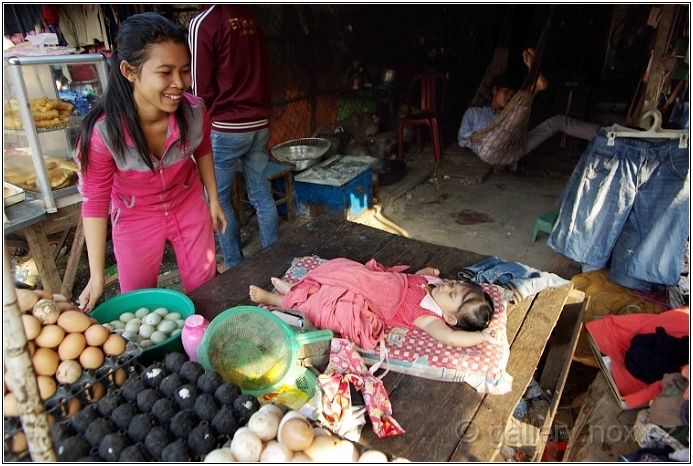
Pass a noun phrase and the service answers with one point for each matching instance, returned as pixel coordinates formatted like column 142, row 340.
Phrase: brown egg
column 32, row 326
column 45, row 361
column 72, row 346
column 50, row 337
column 19, row 443
column 114, row 345
column 74, row 405
column 120, row 376
column 10, row 408
column 74, row 321
column 96, row 391
column 296, row 434
column 26, row 299
column 91, row 358
column 47, row 386
column 96, row 335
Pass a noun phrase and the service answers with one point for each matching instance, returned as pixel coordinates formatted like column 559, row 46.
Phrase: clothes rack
column 655, row 131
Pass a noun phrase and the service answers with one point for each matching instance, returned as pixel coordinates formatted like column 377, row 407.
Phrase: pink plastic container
column 193, row 331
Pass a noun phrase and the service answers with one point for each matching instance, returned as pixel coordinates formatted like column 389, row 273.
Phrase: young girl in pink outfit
column 145, row 159
column 359, row 300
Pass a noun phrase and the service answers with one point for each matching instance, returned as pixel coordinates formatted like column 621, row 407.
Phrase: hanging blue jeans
column 630, row 199
column 245, row 152
column 522, row 279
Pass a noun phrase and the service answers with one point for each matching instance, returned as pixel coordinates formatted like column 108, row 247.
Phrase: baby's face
column 450, row 296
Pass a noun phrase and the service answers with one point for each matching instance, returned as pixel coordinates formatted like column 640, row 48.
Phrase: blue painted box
column 341, row 186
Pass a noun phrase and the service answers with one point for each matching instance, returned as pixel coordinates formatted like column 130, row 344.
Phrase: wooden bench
column 444, row 421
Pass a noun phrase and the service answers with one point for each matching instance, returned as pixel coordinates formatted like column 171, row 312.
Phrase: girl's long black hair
column 137, row 35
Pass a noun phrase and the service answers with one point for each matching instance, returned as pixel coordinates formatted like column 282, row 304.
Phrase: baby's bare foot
column 282, row 286
column 260, row 296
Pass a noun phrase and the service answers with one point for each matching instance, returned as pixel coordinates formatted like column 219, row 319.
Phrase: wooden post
column 20, row 370
column 73, row 262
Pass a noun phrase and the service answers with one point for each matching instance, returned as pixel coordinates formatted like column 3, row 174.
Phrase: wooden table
column 35, row 225
column 444, row 421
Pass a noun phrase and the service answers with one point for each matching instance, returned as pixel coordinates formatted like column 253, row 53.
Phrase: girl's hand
column 489, row 336
column 218, row 216
column 429, row 271
column 91, row 294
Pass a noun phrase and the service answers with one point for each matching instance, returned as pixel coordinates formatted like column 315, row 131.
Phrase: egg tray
column 82, row 389
column 237, row 406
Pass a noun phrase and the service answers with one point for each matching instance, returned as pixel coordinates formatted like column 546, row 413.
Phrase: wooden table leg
column 73, row 261
column 43, row 257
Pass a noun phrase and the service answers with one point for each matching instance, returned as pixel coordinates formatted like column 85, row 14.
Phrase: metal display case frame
column 14, row 67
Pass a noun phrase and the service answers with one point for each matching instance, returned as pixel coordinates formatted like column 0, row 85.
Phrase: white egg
column 146, row 330
column 132, row 327
column 157, row 337
column 180, row 323
column 220, row 455
column 126, row 316
column 172, row 316
column 109, row 326
column 151, row 319
column 166, row 326
column 141, row 312
column 129, row 334
column 146, row 344
column 162, row 311
column 175, row 332
column 118, row 324
column 373, row 456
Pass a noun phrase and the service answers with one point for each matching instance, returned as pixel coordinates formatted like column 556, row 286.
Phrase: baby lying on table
column 359, row 300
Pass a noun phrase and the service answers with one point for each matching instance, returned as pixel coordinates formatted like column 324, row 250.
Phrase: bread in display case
column 44, row 100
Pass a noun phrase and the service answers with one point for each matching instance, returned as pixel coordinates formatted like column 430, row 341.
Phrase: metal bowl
column 301, row 153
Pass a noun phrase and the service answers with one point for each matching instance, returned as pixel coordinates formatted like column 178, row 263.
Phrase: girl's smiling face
column 159, row 84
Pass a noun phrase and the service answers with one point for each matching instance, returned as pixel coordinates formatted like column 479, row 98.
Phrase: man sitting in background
column 503, row 88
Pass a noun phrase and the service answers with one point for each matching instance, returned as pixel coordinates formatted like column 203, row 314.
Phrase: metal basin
column 301, row 153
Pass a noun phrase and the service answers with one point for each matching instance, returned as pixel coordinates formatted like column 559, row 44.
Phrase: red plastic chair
column 432, row 91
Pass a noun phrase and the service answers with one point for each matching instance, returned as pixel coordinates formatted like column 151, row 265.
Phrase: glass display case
column 44, row 99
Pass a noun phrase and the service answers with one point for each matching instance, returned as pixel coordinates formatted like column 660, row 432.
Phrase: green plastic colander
column 253, row 348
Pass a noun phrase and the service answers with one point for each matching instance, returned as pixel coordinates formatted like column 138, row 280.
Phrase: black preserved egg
column 122, row 415
column 134, row 454
column 245, row 406
column 146, row 399
column 139, row 427
column 190, row 371
column 174, row 361
column 209, row 382
column 72, row 448
column 176, row 452
column 170, row 383
column 182, row 423
column 224, row 423
column 227, row 393
column 108, row 403
column 80, row 421
column 131, row 387
column 156, row 440
column 153, row 375
column 202, row 439
column 205, row 407
column 112, row 446
column 98, row 429
column 163, row 410
column 185, row 396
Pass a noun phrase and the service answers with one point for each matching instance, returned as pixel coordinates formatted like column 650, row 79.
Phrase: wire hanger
column 655, row 131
